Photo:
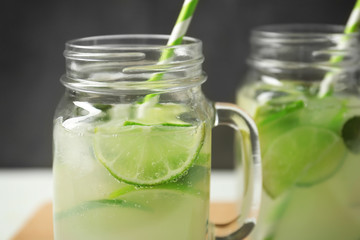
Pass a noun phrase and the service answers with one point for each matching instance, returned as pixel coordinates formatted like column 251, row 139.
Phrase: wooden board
column 39, row 226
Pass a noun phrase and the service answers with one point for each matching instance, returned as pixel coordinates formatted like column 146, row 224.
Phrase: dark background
column 33, row 33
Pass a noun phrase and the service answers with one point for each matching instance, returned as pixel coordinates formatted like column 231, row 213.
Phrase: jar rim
column 126, row 63
column 300, row 30
column 299, row 47
column 130, row 42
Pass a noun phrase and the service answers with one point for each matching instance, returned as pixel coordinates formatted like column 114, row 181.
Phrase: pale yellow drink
column 91, row 202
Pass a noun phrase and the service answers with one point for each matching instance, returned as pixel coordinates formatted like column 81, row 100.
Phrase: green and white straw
column 352, row 26
column 183, row 22
column 353, row 23
column 179, row 31
column 181, row 26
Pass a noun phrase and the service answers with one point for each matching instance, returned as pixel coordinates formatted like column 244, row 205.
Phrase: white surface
column 223, row 186
column 23, row 191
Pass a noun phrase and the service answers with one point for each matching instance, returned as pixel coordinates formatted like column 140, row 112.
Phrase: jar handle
column 231, row 115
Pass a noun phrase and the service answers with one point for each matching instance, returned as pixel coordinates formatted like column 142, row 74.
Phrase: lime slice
column 303, row 156
column 148, row 154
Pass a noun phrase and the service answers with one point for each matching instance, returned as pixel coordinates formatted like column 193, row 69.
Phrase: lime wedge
column 273, row 111
column 324, row 112
column 94, row 204
column 159, row 114
column 274, row 121
column 303, row 156
column 196, row 174
column 351, row 134
column 148, row 154
column 162, row 113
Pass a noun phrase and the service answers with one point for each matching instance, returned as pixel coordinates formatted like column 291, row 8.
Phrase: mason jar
column 301, row 89
column 132, row 144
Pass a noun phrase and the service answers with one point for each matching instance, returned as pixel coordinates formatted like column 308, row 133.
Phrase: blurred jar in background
column 301, row 89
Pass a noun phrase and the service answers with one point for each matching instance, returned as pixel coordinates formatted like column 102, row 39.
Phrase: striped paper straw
column 352, row 26
column 183, row 22
column 353, row 23
column 178, row 32
column 176, row 37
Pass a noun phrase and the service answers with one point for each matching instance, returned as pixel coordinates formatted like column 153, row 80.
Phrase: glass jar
column 301, row 90
column 132, row 143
